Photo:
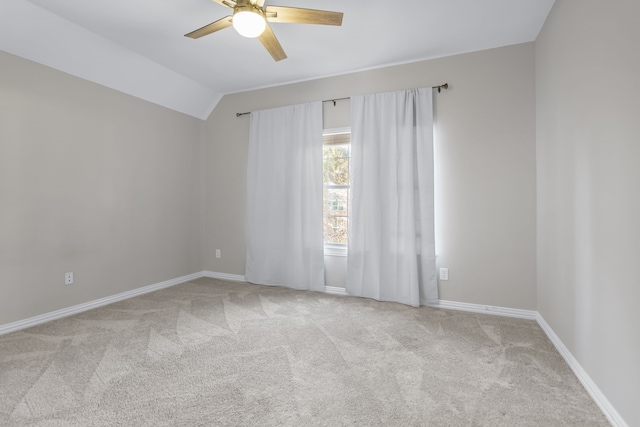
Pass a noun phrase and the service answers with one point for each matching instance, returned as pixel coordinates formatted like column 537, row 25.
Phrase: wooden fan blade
column 226, row 3
column 220, row 24
column 271, row 43
column 302, row 16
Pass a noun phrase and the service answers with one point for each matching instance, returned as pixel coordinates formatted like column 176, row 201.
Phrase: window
column 336, row 157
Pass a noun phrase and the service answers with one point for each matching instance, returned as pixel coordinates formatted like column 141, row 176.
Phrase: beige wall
column 91, row 181
column 125, row 193
column 485, row 167
column 588, row 155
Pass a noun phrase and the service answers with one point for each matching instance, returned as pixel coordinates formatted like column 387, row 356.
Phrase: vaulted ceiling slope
column 138, row 46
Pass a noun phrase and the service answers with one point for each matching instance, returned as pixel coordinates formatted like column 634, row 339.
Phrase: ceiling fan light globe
column 248, row 23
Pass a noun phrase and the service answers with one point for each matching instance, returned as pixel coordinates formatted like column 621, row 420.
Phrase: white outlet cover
column 444, row 274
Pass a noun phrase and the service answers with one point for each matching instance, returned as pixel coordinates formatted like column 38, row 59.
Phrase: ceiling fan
column 251, row 19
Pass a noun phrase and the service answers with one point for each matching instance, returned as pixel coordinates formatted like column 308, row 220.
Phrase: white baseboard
column 224, row 276
column 487, row 309
column 594, row 391
column 58, row 314
column 238, row 278
column 596, row 394
column 603, row 403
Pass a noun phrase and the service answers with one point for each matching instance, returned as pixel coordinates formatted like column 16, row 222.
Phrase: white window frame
column 337, row 249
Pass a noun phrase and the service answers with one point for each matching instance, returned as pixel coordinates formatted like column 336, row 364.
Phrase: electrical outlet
column 444, row 274
column 68, row 278
column 218, row 254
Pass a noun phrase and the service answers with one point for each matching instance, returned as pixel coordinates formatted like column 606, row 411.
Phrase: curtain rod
column 439, row 87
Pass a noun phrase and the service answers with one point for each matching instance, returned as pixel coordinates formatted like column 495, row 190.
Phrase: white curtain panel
column 391, row 242
column 284, row 198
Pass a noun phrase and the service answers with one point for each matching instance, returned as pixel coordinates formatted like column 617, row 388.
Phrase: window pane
column 336, row 215
column 336, row 156
column 336, row 164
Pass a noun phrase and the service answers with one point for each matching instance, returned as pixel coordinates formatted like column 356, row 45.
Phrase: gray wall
column 91, row 181
column 485, row 167
column 588, row 156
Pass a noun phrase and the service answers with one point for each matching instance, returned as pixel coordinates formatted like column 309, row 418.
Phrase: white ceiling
column 138, row 46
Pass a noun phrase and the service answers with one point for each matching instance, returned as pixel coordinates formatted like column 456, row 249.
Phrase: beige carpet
column 216, row 353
